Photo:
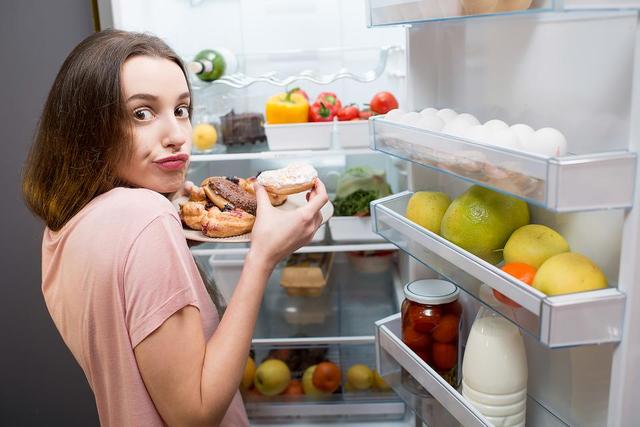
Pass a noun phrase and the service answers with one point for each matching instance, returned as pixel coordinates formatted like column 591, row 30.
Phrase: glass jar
column 431, row 322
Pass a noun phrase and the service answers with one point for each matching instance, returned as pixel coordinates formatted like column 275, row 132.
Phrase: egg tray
column 469, row 164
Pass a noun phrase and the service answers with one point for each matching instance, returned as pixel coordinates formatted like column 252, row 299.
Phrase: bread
column 295, row 178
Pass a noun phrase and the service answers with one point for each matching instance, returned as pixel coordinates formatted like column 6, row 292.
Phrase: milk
column 494, row 370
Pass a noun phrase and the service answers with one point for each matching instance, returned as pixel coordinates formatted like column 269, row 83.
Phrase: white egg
column 468, row 119
column 432, row 123
column 447, row 114
column 548, row 142
column 429, row 111
column 409, row 118
column 524, row 133
column 496, row 125
column 457, row 126
column 478, row 133
column 394, row 115
column 506, row 138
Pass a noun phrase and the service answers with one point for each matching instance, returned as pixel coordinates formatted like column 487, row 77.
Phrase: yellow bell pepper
column 287, row 107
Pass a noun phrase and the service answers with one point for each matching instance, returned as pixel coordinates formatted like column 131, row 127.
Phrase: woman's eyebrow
column 143, row 96
column 185, row 95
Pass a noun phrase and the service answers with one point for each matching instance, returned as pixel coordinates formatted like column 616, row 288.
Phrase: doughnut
column 226, row 223
column 226, row 191
column 295, row 178
column 192, row 213
column 197, row 194
column 275, row 199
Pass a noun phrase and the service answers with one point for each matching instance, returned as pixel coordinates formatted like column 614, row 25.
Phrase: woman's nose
column 175, row 134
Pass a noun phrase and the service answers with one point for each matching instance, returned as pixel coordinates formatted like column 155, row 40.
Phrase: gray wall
column 40, row 383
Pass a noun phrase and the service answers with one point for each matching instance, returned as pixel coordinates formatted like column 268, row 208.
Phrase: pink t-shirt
column 110, row 277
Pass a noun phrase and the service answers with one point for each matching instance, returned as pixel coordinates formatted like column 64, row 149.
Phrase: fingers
column 261, row 196
column 188, row 186
column 317, row 196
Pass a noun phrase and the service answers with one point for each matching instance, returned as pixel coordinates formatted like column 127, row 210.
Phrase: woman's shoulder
column 134, row 204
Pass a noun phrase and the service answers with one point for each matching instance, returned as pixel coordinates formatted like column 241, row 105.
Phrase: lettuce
column 357, row 187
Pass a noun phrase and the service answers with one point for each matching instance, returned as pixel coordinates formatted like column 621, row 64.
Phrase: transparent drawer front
column 390, row 12
column 375, row 401
column 567, row 183
column 440, row 405
column 556, row 321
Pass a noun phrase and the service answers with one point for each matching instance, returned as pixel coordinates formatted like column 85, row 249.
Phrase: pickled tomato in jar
column 431, row 317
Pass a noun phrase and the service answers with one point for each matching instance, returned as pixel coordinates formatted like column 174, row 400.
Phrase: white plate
column 293, row 202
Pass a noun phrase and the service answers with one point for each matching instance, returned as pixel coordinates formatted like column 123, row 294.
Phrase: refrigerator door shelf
column 442, row 404
column 556, row 183
column 397, row 12
column 556, row 321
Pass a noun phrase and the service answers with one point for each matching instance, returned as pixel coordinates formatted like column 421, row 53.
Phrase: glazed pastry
column 192, row 213
column 226, row 191
column 226, row 223
column 295, row 178
column 197, row 194
column 275, row 199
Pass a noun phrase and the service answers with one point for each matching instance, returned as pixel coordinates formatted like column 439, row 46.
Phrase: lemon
column 205, row 136
column 481, row 221
column 533, row 244
column 426, row 208
column 567, row 273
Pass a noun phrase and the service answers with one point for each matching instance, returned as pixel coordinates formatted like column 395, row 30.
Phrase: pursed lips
column 173, row 162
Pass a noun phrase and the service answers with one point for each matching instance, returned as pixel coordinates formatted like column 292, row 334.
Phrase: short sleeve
column 159, row 277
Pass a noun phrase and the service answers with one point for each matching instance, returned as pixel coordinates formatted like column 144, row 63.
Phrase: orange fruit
column 523, row 272
column 327, row 377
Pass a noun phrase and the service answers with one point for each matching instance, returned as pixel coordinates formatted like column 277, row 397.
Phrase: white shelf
column 224, row 249
column 398, row 12
column 268, row 155
column 392, row 355
column 556, row 321
column 568, row 183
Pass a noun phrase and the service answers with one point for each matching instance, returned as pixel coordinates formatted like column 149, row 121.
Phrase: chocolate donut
column 220, row 189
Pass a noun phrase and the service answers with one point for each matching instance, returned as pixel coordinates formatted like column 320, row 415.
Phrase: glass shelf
column 397, row 12
column 262, row 152
column 561, row 184
column 442, row 405
column 556, row 321
column 371, row 404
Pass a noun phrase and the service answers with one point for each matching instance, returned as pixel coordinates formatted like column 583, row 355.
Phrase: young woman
column 117, row 275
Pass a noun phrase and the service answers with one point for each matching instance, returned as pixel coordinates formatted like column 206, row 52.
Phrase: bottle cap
column 431, row 291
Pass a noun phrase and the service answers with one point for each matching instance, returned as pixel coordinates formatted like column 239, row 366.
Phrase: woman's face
column 157, row 98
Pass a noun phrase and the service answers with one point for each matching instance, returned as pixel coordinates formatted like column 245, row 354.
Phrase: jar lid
column 431, row 291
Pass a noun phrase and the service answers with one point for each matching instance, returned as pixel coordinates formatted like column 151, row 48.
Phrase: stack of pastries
column 223, row 206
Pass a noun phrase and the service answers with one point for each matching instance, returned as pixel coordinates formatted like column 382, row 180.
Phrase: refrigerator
column 567, row 65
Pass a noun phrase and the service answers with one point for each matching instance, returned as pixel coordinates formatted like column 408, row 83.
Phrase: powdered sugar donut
column 295, row 178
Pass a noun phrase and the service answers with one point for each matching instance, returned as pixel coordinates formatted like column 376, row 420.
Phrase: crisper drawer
column 441, row 405
column 568, row 183
column 556, row 321
column 394, row 12
column 369, row 399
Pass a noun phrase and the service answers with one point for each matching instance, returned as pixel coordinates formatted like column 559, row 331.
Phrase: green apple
column 567, row 273
column 307, row 383
column 533, row 244
column 360, row 377
column 426, row 208
column 272, row 377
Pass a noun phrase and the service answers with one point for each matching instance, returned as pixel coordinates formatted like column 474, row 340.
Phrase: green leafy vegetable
column 357, row 187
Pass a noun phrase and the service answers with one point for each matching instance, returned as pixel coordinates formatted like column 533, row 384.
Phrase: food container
column 226, row 270
column 431, row 321
column 353, row 133
column 371, row 261
column 306, row 274
column 299, row 136
column 352, row 229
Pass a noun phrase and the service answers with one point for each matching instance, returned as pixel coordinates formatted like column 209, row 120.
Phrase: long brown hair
column 84, row 131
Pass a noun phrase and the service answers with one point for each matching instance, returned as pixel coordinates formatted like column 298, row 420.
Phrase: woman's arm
column 192, row 381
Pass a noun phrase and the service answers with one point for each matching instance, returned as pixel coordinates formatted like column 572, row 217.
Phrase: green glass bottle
column 208, row 65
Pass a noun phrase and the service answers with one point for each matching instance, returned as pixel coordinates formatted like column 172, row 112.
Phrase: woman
column 118, row 278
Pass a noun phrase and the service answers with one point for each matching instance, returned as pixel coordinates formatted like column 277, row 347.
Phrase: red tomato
column 523, row 272
column 301, row 92
column 330, row 100
column 414, row 340
column 319, row 112
column 383, row 102
column 445, row 356
column 425, row 355
column 424, row 319
column 365, row 114
column 452, row 307
column 350, row 112
column 447, row 329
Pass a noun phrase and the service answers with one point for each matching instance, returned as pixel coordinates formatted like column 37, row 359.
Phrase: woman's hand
column 277, row 233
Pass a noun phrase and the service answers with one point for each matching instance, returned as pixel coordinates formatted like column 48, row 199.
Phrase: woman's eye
column 143, row 114
column 182, row 112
